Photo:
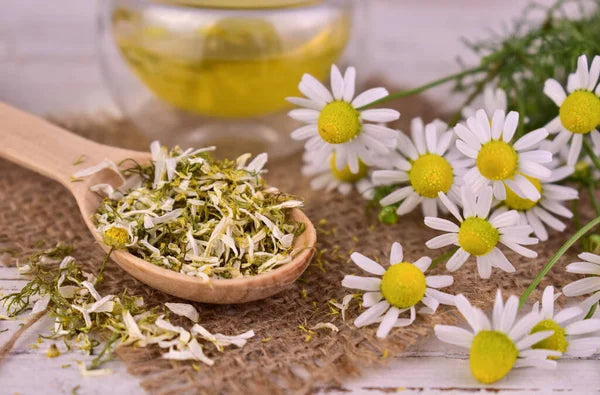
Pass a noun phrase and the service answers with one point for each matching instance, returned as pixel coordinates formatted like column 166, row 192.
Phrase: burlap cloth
column 35, row 211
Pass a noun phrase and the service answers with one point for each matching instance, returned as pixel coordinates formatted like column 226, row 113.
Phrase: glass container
column 200, row 73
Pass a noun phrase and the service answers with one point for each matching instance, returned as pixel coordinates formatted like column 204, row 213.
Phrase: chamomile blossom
column 493, row 99
column 401, row 287
column 590, row 265
column 326, row 176
column 543, row 212
column 579, row 107
column 573, row 335
column 496, row 347
column 479, row 234
column 498, row 160
column 427, row 164
column 335, row 123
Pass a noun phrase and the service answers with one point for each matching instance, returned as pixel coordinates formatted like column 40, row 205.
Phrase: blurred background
column 49, row 56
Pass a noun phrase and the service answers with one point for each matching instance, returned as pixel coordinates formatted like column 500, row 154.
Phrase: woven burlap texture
column 280, row 358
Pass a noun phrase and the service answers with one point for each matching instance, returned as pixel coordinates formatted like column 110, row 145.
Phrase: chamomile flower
column 326, row 176
column 401, row 287
column 499, row 161
column 334, row 123
column 479, row 234
column 579, row 110
column 493, row 99
column 573, row 335
column 427, row 165
column 496, row 347
column 588, row 285
column 543, row 212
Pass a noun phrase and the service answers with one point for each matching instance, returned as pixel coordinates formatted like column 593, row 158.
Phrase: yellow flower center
column 497, row 160
column 345, row 175
column 580, row 112
column 477, row 236
column 557, row 342
column 430, row 174
column 339, row 122
column 403, row 285
column 116, row 237
column 492, row 356
column 516, row 202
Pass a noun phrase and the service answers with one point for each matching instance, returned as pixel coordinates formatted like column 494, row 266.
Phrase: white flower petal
column 307, row 103
column 583, row 327
column 441, row 224
column 304, row 115
column 530, row 139
column 369, row 96
column 389, row 319
column 371, row 298
column 450, row 206
column 442, row 240
column 510, row 126
column 349, row 84
column 582, row 286
column 396, row 253
column 532, row 339
column 555, row 91
column 457, row 260
column 184, row 310
column 372, row 314
column 380, row 115
column 454, row 335
column 305, row 132
column 396, row 196
column 440, row 281
column 423, row 263
column 362, row 283
column 337, row 82
column 575, row 149
column 589, row 257
column 367, row 264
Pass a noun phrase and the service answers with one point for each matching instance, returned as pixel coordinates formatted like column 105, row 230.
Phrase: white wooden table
column 48, row 66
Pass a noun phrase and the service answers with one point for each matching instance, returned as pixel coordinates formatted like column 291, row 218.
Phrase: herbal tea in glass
column 225, row 63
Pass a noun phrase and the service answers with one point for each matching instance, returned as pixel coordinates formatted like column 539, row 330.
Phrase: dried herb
column 199, row 216
column 96, row 324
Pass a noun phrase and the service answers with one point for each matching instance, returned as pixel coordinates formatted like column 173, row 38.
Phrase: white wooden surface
column 48, row 66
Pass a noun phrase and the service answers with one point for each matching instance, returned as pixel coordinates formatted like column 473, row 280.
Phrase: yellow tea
column 239, row 65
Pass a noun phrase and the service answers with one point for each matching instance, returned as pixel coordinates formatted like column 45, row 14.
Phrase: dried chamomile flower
column 202, row 217
column 87, row 320
column 116, row 237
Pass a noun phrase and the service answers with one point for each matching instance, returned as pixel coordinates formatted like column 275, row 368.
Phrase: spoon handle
column 45, row 148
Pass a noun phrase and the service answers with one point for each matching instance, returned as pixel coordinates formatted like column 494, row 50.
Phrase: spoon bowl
column 51, row 151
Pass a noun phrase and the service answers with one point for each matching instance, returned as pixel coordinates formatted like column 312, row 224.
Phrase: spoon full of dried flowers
column 186, row 224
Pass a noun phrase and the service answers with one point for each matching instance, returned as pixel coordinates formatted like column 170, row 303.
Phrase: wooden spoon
column 51, row 151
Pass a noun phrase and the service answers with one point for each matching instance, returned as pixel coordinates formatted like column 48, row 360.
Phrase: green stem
column 442, row 258
column 429, row 85
column 591, row 187
column 575, row 208
column 561, row 251
column 590, row 152
column 104, row 262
